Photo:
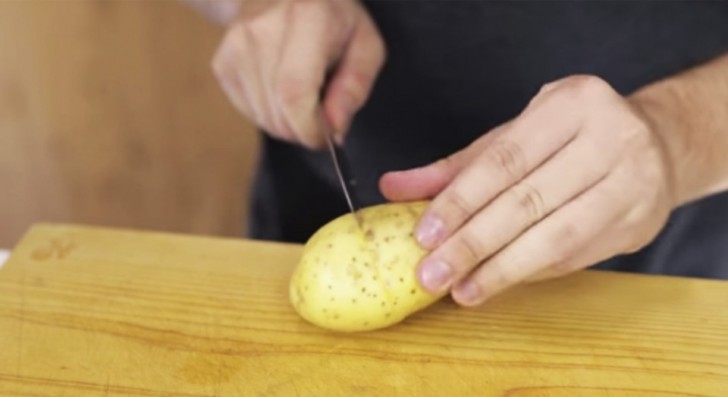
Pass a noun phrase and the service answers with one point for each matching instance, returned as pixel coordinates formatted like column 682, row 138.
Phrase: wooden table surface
column 99, row 312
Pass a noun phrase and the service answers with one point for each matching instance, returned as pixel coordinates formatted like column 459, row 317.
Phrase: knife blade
column 338, row 157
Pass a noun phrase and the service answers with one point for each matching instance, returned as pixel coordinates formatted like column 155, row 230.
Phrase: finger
column 551, row 243
column 541, row 94
column 530, row 140
column 417, row 183
column 301, row 72
column 266, row 34
column 519, row 207
column 223, row 68
column 354, row 77
column 239, row 58
column 426, row 182
column 256, row 76
column 622, row 239
column 234, row 91
column 589, row 256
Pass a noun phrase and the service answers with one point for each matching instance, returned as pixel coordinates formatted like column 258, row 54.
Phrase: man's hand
column 579, row 176
column 296, row 67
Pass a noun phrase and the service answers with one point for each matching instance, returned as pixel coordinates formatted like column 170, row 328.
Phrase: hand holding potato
column 274, row 61
column 578, row 177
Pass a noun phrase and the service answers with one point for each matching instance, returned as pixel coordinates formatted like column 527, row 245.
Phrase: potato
column 349, row 279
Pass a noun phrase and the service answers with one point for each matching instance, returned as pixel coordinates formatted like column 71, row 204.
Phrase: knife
column 338, row 157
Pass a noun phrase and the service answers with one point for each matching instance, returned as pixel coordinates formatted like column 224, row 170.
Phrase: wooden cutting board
column 98, row 312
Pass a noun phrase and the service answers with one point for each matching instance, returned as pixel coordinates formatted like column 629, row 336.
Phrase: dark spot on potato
column 387, row 239
column 336, row 316
column 412, row 291
column 365, row 323
column 363, row 289
column 388, row 315
column 329, row 245
column 374, row 278
column 411, row 211
column 384, row 303
column 330, row 287
column 401, row 279
column 369, row 234
column 353, row 300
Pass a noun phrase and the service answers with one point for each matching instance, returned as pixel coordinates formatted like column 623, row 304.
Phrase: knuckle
column 472, row 248
column 236, row 37
column 217, row 64
column 229, row 52
column 564, row 242
column 448, row 166
column 563, row 267
column 356, row 85
column 583, row 86
column 548, row 87
column 633, row 248
column 451, row 162
column 279, row 126
column 292, row 91
column 457, row 205
column 508, row 157
column 529, row 200
column 315, row 10
column 256, row 28
column 636, row 134
column 379, row 49
column 259, row 26
column 503, row 276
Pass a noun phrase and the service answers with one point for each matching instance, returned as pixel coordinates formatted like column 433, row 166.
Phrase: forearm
column 689, row 112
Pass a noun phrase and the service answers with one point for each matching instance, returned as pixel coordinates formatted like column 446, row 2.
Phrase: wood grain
column 110, row 115
column 99, row 312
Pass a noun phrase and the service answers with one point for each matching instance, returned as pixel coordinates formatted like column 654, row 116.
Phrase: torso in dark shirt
column 455, row 69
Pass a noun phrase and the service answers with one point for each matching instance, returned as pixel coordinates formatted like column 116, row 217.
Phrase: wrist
column 660, row 107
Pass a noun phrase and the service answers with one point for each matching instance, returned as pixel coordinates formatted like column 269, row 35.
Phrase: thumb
column 423, row 182
column 428, row 181
column 417, row 183
column 354, row 76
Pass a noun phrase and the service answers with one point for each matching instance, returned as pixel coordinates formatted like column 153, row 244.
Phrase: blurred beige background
column 109, row 115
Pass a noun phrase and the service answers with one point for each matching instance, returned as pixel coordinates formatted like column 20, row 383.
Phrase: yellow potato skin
column 358, row 280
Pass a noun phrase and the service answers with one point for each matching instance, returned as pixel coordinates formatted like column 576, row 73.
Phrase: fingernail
column 467, row 293
column 430, row 231
column 435, row 275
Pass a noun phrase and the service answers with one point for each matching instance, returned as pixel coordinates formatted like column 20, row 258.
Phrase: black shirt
column 456, row 69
